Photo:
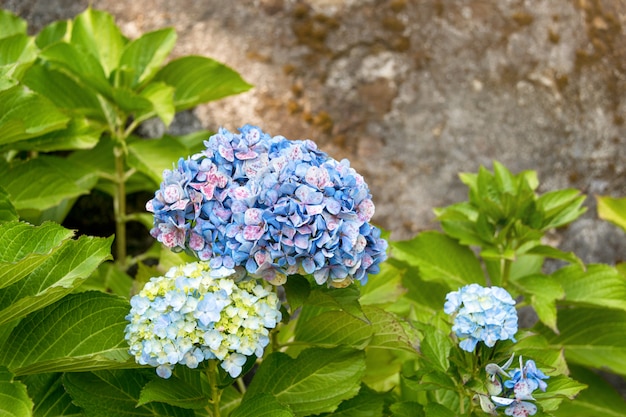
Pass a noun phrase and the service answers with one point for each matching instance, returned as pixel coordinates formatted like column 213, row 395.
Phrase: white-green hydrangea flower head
column 194, row 313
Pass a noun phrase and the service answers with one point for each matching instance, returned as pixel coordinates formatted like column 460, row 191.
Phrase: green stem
column 505, row 272
column 119, row 207
column 216, row 392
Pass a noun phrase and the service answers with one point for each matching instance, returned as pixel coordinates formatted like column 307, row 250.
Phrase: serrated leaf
column 317, row 381
column 153, row 156
column 14, row 400
column 391, row 331
column 435, row 346
column 331, row 328
column 612, row 210
column 25, row 114
column 80, row 332
column 440, row 258
column 554, row 253
column 262, row 405
column 44, row 182
column 173, row 391
column 600, row 285
column 145, row 54
column 598, row 399
column 57, row 276
column 25, row 247
column 543, row 292
column 49, row 396
column 199, row 79
column 115, row 394
column 96, row 33
column 592, row 337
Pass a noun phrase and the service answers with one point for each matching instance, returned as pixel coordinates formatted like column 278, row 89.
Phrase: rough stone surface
column 413, row 91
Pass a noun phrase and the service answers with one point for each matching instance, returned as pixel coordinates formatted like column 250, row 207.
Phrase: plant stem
column 505, row 272
column 119, row 207
column 216, row 392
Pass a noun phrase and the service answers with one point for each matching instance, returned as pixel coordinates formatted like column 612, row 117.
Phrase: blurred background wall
column 415, row 91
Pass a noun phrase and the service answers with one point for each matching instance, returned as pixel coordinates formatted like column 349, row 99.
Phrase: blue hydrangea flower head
column 273, row 206
column 481, row 314
column 194, row 313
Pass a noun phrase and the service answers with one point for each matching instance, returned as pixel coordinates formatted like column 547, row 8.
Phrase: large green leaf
column 367, row 403
column 25, row 247
column 145, row 54
column 44, row 182
column 184, row 389
column 80, row 133
column 198, row 79
column 14, row 400
column 49, row 396
column 599, row 285
column 96, row 33
column 613, row 210
column 115, row 394
column 383, row 288
column 54, row 32
column 57, row 276
column 599, row 399
column 11, row 24
column 440, row 258
column 317, row 381
column 330, row 328
column 17, row 53
column 161, row 96
column 391, row 331
column 81, row 332
column 592, row 337
column 346, row 299
column 262, row 405
column 25, row 114
column 542, row 291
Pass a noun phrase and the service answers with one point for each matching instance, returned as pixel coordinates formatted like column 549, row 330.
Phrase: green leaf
column 554, row 253
column 600, row 285
column 24, row 114
column 297, row 289
column 346, row 299
column 435, row 346
column 440, row 258
column 161, row 96
column 145, row 54
column 317, row 381
column 54, row 32
column 560, row 207
column 368, row 403
column 84, row 67
column 612, row 210
column 592, row 337
column 542, row 292
column 14, row 400
column 406, row 409
column 115, row 394
column 11, row 24
column 49, row 396
column 383, row 288
column 81, row 332
column 44, row 182
column 17, row 53
column 173, row 391
column 58, row 275
column 427, row 297
column 262, row 405
column 109, row 278
column 7, row 210
column 96, row 33
column 153, row 156
column 25, row 247
column 599, row 399
column 79, row 134
column 437, row 410
column 560, row 387
column 391, row 331
column 64, row 91
column 331, row 328
column 198, row 79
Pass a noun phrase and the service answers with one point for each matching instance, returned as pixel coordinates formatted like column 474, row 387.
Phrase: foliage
column 71, row 98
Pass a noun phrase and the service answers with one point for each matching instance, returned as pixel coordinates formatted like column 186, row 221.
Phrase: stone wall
column 415, row 91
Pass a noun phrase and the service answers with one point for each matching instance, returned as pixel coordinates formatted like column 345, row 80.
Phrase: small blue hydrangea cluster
column 272, row 205
column 482, row 314
column 518, row 390
column 194, row 313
